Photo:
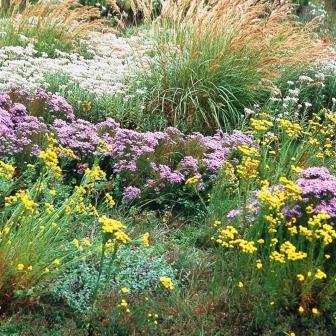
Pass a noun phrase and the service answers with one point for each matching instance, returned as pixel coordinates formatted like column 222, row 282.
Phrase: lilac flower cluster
column 319, row 189
column 147, row 162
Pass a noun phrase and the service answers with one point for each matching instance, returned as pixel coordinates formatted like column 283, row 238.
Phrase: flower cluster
column 293, row 235
column 110, row 54
column 147, row 162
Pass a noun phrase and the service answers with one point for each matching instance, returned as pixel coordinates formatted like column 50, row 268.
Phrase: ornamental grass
column 215, row 57
column 48, row 25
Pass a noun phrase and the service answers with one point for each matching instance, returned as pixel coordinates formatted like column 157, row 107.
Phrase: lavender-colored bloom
column 174, row 177
column 79, row 135
column 190, row 164
column 321, row 173
column 234, row 213
column 131, row 193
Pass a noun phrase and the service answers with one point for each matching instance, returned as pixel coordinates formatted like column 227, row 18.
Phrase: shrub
column 49, row 26
column 207, row 67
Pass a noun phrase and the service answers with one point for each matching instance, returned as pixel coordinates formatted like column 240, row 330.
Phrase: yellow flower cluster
column 115, row 227
column 109, row 200
column 22, row 196
column 227, row 238
column 81, row 244
column 248, row 168
column 273, row 200
column 260, row 125
column 287, row 252
column 145, row 239
column 95, row 174
column 293, row 130
column 167, row 282
column 293, row 191
column 6, row 170
column 192, row 180
column 50, row 158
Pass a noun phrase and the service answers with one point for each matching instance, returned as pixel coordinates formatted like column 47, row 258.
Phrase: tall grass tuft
column 49, row 25
column 215, row 57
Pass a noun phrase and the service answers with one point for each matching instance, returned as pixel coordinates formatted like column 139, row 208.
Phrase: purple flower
column 131, row 193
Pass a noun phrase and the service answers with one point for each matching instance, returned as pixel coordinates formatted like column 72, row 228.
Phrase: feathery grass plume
column 49, row 25
column 215, row 57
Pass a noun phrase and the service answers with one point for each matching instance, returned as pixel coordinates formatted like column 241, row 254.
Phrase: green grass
column 197, row 92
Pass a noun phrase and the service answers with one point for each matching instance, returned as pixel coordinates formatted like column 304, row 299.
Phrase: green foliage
column 196, row 90
column 47, row 40
column 126, row 110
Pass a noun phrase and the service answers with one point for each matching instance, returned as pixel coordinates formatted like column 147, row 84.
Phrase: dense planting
column 171, row 178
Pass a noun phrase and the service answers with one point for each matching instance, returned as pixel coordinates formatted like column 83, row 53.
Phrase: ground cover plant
column 176, row 178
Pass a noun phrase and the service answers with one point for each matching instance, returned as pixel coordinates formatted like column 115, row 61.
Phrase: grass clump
column 48, row 25
column 214, row 58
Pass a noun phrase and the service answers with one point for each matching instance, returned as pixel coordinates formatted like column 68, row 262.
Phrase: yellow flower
column 122, row 237
column 52, row 192
column 50, row 158
column 75, row 243
column 320, row 274
column 123, row 303
column 260, row 126
column 301, row 310
column 300, row 277
column 57, row 262
column 124, row 290
column 167, row 282
column 109, row 200
column 259, row 264
column 296, row 170
column 217, row 223
column 49, row 207
column 110, row 225
column 87, row 105
column 86, row 242
column 6, row 170
column 315, row 311
column 145, row 239
column 292, row 334
column 30, row 268
column 240, row 284
column 192, row 180
column 20, row 267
